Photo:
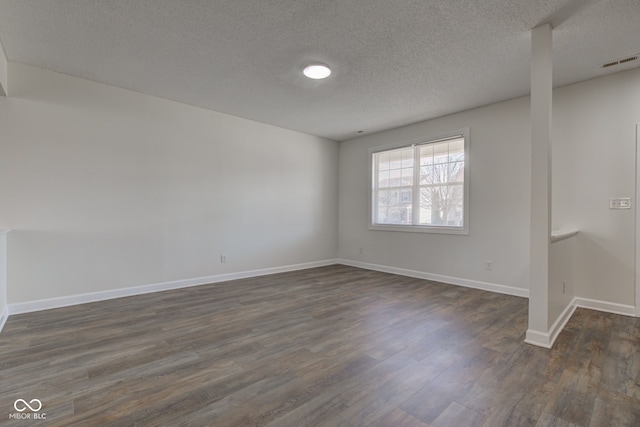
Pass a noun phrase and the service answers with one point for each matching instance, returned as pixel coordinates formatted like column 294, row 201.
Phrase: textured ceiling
column 395, row 61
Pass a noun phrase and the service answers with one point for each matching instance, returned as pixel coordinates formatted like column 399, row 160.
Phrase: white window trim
column 464, row 230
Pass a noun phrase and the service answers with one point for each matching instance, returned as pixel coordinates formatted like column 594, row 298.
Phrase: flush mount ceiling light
column 317, row 71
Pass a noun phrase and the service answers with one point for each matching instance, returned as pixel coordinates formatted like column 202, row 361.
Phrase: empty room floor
column 329, row 346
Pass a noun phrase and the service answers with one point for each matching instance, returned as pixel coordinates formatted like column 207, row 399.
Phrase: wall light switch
column 620, row 203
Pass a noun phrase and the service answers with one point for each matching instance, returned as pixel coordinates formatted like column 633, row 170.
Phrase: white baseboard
column 502, row 289
column 47, row 304
column 4, row 316
column 537, row 338
column 607, row 307
column 546, row 339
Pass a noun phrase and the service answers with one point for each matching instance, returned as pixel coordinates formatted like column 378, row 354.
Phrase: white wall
column 107, row 189
column 594, row 159
column 499, row 201
column 104, row 188
column 562, row 268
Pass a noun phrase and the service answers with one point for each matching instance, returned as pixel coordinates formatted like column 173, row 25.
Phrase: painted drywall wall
column 3, row 72
column 562, row 269
column 594, row 159
column 499, row 165
column 105, row 188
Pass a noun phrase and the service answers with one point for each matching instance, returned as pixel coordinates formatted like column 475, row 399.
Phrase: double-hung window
column 422, row 186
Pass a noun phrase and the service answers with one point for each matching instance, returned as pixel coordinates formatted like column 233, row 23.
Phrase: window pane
column 442, row 205
column 436, row 174
column 395, row 159
column 407, row 158
column 452, row 208
column 456, row 150
column 384, row 179
column 395, row 167
column 383, row 161
column 426, row 154
column 440, row 152
column 396, row 178
column 437, row 193
column 394, row 206
column 427, row 214
column 388, row 198
column 426, row 173
column 395, row 215
column 455, row 172
column 407, row 176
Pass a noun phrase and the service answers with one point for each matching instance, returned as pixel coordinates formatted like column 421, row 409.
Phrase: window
column 422, row 186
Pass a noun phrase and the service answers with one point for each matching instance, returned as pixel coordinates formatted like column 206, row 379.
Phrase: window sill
column 420, row 229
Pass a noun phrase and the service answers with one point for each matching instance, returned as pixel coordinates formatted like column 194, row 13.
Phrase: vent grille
column 620, row 61
column 610, row 64
column 632, row 58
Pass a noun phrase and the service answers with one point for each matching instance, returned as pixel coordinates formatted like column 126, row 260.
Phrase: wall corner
column 4, row 72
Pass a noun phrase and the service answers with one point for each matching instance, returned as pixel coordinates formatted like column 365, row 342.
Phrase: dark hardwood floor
column 331, row 346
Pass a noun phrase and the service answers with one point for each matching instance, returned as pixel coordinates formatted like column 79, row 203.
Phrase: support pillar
column 540, row 228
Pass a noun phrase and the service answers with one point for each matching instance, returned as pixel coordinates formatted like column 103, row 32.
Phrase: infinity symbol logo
column 21, row 405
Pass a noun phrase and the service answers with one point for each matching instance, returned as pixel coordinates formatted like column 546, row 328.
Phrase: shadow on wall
column 597, row 269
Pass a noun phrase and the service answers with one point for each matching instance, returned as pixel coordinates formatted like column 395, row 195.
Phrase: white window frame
column 438, row 229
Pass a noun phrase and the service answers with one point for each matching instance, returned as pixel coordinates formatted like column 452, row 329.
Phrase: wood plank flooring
column 330, row 346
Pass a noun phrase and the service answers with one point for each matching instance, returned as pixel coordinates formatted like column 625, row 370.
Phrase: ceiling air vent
column 620, row 61
column 629, row 59
column 610, row 64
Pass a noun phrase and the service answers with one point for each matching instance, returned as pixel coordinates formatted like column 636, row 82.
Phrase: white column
column 541, row 104
column 637, row 206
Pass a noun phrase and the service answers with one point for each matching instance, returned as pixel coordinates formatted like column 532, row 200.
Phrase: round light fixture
column 317, row 71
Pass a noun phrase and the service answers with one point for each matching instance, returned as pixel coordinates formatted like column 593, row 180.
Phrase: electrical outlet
column 564, row 286
column 360, row 251
column 488, row 265
column 223, row 258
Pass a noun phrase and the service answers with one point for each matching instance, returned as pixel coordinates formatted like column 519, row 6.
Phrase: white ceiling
column 395, row 61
